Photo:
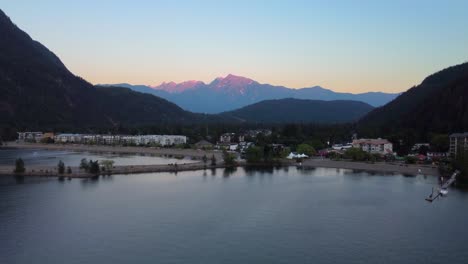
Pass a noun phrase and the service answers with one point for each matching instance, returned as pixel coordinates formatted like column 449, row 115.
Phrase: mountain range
column 232, row 92
column 39, row 92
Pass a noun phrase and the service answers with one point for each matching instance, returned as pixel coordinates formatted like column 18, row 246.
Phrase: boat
column 443, row 191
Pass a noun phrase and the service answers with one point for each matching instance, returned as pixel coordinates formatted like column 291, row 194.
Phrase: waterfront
column 243, row 216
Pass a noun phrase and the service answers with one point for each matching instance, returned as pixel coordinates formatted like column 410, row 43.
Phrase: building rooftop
column 371, row 141
column 459, row 134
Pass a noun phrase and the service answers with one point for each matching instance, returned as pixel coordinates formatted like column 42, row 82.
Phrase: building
column 230, row 138
column 377, row 146
column 68, row 138
column 417, row 146
column 437, row 155
column 30, row 136
column 458, row 141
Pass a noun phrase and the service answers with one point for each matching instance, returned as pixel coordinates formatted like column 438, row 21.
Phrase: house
column 377, row 146
column 458, row 141
column 203, row 144
column 30, row 136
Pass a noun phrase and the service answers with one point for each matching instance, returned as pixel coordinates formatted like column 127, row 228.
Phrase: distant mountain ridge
column 291, row 110
column 233, row 92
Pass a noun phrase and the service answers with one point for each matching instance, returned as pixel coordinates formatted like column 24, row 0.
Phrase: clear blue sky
column 351, row 46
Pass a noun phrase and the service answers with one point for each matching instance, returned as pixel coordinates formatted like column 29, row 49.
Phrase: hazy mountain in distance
column 232, row 92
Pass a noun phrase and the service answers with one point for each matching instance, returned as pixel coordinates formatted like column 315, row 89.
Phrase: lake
column 43, row 157
column 282, row 215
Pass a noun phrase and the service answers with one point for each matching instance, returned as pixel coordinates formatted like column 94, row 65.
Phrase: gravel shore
column 375, row 167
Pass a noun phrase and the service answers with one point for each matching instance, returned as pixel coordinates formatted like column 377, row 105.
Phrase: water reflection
column 229, row 171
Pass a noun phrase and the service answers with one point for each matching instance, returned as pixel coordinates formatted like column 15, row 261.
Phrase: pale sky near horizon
column 346, row 46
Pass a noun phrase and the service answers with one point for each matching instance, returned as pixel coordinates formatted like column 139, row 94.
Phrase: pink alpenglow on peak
column 173, row 87
column 234, row 83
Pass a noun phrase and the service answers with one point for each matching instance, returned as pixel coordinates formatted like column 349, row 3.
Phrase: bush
column 19, row 166
column 410, row 160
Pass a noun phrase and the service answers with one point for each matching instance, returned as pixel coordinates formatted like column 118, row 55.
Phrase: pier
column 442, row 189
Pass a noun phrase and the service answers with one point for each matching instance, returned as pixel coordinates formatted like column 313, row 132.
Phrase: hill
column 232, row 92
column 438, row 105
column 39, row 92
column 299, row 110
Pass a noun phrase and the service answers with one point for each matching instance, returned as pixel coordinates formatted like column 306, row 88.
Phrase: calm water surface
column 72, row 158
column 276, row 216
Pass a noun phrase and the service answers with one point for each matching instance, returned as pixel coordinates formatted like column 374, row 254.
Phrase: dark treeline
column 289, row 134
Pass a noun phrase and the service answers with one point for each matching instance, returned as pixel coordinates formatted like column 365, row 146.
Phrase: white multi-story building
column 378, row 146
column 30, row 136
column 458, row 142
column 68, row 138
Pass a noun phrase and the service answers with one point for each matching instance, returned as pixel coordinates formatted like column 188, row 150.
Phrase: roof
column 203, row 142
column 371, row 141
column 459, row 134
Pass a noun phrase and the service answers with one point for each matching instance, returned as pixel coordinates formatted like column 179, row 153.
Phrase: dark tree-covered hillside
column 300, row 110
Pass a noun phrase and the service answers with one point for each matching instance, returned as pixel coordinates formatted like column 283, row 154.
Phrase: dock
column 442, row 189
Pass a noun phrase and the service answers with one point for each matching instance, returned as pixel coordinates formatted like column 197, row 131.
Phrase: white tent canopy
column 293, row 155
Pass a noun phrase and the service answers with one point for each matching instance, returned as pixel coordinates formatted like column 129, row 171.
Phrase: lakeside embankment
column 373, row 167
column 196, row 153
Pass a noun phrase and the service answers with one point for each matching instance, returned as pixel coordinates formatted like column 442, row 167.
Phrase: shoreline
column 405, row 169
column 196, row 153
column 51, row 171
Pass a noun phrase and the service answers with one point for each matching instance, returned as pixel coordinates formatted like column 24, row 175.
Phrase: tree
column 107, row 164
column 213, row 160
column 306, row 149
column 19, row 166
column 440, row 142
column 93, row 167
column 84, row 165
column 69, row 170
column 229, row 158
column 356, row 154
column 61, row 167
column 254, row 154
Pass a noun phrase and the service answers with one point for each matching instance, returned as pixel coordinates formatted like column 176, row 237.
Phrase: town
column 358, row 149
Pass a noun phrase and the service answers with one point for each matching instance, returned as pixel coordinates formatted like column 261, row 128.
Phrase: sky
column 347, row 46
